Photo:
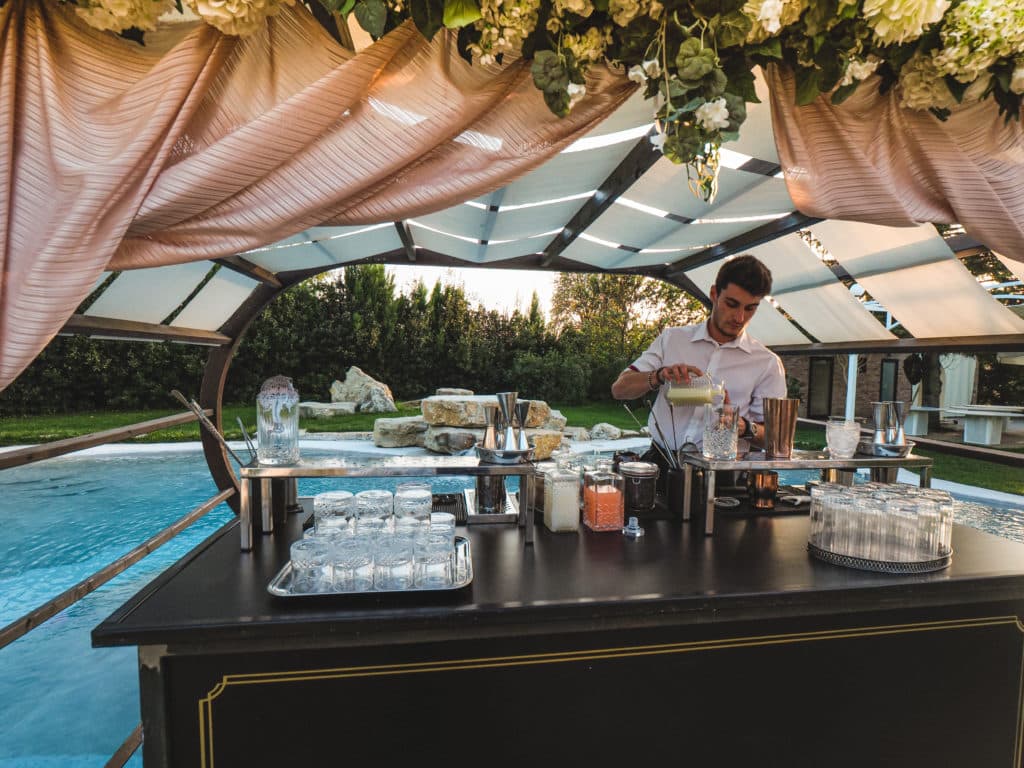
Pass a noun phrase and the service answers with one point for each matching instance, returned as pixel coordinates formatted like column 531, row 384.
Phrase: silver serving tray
column 281, row 584
column 503, row 456
column 885, row 449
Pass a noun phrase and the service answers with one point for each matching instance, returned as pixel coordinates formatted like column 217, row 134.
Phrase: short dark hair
column 746, row 272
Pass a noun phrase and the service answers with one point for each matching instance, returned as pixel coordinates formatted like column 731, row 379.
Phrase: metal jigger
column 490, row 435
column 507, row 404
column 880, row 415
column 898, row 415
column 522, row 411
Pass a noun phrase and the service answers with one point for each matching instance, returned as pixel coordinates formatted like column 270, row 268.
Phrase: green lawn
column 27, row 430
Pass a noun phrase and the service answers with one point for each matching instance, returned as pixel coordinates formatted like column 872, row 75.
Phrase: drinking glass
column 392, row 562
column 332, row 509
column 433, row 563
column 374, row 504
column 413, row 499
column 720, row 431
column 842, row 436
column 352, row 560
column 310, row 571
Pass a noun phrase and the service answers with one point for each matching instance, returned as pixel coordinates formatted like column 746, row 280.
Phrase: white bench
column 916, row 422
column 983, row 424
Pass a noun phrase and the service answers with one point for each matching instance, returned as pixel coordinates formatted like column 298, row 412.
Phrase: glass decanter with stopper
column 561, row 497
column 277, row 422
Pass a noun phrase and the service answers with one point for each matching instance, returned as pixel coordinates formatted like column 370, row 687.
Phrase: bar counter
column 735, row 649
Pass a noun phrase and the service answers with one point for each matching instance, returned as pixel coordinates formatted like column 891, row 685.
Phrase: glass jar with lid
column 697, row 391
column 561, row 497
column 603, row 498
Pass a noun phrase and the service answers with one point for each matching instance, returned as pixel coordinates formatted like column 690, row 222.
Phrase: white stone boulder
column 555, row 420
column 369, row 395
column 605, row 431
column 454, row 391
column 544, row 441
column 456, row 410
column 311, row 410
column 399, row 432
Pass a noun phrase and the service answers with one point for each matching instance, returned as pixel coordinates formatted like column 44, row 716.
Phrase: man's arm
column 632, row 384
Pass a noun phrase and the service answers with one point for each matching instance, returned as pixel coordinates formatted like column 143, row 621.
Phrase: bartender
column 720, row 345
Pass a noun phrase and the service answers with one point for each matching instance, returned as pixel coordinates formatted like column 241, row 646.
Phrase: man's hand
column 680, row 373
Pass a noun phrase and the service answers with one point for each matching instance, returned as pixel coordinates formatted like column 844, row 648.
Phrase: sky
column 500, row 289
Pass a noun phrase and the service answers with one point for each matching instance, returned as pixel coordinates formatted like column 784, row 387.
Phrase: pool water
column 63, row 703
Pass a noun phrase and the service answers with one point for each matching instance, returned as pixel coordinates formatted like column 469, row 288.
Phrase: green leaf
column 550, row 74
column 459, row 13
column 731, row 29
column 372, row 15
column 843, row 92
column 341, row 7
column 771, row 49
column 711, row 8
column 807, row 89
column 742, row 84
column 956, row 88
column 427, row 16
column 729, row 135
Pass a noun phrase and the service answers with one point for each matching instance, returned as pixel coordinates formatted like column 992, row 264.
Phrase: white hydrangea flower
column 624, row 11
column 770, row 15
column 898, row 21
column 1017, row 80
column 580, row 7
column 576, row 92
column 859, row 70
column 658, row 141
column 922, row 85
column 713, row 115
column 652, row 68
column 237, row 17
column 636, row 74
column 589, row 47
column 775, row 14
column 119, row 15
column 976, row 34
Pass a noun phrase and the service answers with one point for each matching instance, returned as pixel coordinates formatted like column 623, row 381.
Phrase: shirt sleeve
column 771, row 384
column 653, row 357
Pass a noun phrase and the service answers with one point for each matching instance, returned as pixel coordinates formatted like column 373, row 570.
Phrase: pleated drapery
column 869, row 160
column 200, row 145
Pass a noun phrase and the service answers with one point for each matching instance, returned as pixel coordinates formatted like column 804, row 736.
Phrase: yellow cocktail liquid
column 689, row 395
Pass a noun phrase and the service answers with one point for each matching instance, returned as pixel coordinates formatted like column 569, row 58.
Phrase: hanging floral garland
column 693, row 58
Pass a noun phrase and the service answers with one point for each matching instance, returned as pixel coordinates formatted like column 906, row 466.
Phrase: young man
column 719, row 346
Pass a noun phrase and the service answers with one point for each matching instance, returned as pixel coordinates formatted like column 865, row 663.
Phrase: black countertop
column 751, row 568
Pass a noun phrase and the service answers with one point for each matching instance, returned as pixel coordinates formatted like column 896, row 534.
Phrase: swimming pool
column 62, row 702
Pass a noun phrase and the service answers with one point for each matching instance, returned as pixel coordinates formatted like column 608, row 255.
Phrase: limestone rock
column 450, row 440
column 539, row 415
column 605, row 431
column 369, row 395
column 456, row 410
column 576, row 433
column 544, row 441
column 555, row 420
column 399, row 432
column 310, row 410
column 453, row 391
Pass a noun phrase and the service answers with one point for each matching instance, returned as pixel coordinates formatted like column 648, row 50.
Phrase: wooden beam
column 754, row 237
column 1012, row 342
column 113, row 328
column 405, row 235
column 245, row 267
column 27, row 455
column 633, row 166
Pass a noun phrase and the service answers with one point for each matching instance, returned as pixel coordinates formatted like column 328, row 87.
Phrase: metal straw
column 653, row 442
column 673, row 460
column 194, row 407
column 248, row 440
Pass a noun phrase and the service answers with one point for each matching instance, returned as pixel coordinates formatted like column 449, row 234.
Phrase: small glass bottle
column 603, row 498
column 561, row 497
column 277, row 422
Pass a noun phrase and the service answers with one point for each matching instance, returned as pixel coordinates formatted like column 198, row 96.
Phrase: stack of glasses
column 886, row 523
column 375, row 541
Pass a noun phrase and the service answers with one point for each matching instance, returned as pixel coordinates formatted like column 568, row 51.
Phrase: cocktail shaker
column 779, row 426
column 507, row 404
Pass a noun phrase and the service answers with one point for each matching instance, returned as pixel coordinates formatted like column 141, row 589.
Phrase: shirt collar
column 742, row 341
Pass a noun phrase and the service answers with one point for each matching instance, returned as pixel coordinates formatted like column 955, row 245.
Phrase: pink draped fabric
column 869, row 160
column 199, row 145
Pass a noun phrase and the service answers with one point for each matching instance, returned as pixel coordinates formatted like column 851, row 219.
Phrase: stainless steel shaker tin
column 640, row 480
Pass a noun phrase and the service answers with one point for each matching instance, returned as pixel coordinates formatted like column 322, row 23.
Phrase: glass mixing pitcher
column 700, row 390
column 277, row 422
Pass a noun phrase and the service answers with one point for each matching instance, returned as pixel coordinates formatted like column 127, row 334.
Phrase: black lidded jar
column 640, row 482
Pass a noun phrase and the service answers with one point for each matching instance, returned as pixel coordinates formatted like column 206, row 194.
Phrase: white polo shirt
column 750, row 370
